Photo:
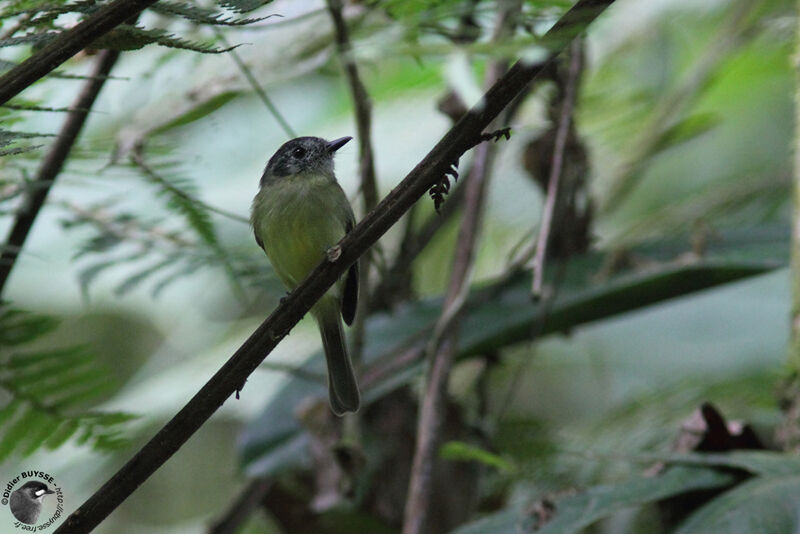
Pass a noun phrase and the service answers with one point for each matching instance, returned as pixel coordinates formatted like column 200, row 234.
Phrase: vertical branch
column 442, row 347
column 53, row 162
column 242, row 508
column 361, row 103
column 554, row 180
column 262, row 94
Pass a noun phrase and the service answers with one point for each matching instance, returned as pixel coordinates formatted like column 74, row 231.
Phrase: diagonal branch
column 53, row 162
column 233, row 374
column 67, row 44
column 247, row 502
column 262, row 94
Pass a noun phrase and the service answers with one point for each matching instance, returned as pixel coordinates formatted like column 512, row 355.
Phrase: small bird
column 26, row 502
column 298, row 215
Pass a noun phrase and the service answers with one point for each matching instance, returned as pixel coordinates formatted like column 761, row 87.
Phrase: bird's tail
column 342, row 386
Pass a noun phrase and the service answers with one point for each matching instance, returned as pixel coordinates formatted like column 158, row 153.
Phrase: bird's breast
column 297, row 220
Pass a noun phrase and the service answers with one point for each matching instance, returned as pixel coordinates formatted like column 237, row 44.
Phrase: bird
column 298, row 216
column 26, row 502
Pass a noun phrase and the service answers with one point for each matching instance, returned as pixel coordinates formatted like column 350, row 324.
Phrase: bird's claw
column 333, row 253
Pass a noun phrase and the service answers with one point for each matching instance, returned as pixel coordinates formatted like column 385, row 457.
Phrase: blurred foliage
column 46, row 391
column 684, row 116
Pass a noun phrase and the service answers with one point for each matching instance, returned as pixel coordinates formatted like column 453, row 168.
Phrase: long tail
column 342, row 386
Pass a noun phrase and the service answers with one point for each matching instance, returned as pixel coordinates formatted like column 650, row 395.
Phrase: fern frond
column 48, row 391
column 243, row 6
column 30, row 38
column 201, row 15
column 127, row 37
column 7, row 137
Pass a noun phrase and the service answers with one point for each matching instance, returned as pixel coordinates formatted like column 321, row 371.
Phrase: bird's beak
column 336, row 144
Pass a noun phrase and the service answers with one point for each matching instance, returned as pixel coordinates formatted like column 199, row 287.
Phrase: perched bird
column 26, row 502
column 299, row 213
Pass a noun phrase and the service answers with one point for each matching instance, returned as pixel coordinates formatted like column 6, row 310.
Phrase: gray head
column 26, row 502
column 35, row 490
column 303, row 155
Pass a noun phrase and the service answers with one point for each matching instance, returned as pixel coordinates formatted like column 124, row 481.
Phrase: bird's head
column 303, row 155
column 35, row 490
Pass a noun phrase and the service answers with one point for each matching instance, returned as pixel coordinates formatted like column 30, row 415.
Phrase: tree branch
column 51, row 165
column 233, row 374
column 442, row 346
column 554, row 180
column 361, row 103
column 247, row 502
column 262, row 94
column 67, row 44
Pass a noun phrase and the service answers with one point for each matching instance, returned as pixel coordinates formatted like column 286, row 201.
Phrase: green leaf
column 763, row 463
column 62, row 433
column 47, row 389
column 574, row 512
column 14, row 435
column 197, row 111
column 764, row 504
column 243, row 6
column 200, row 15
column 133, row 281
column 685, row 130
column 502, row 314
column 18, row 327
column 127, row 37
column 466, row 452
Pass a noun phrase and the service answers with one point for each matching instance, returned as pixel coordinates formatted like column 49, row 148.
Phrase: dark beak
column 48, row 491
column 336, row 144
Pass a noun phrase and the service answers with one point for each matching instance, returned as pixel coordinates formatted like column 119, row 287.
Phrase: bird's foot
column 334, row 253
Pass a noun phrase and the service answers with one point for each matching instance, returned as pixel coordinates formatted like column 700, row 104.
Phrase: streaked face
column 303, row 155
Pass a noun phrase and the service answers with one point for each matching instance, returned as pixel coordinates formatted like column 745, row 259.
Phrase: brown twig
column 67, row 44
column 554, row 180
column 441, row 351
column 362, row 104
column 442, row 346
column 233, row 374
column 262, row 94
column 242, row 508
column 52, row 164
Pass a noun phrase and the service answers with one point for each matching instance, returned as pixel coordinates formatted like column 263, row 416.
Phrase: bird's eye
column 298, row 152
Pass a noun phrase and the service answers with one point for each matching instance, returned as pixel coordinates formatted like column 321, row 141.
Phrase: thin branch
column 23, row 19
column 441, row 348
column 262, row 94
column 247, row 502
column 138, row 159
column 52, row 164
column 554, row 180
column 362, row 104
column 233, row 374
column 67, row 44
